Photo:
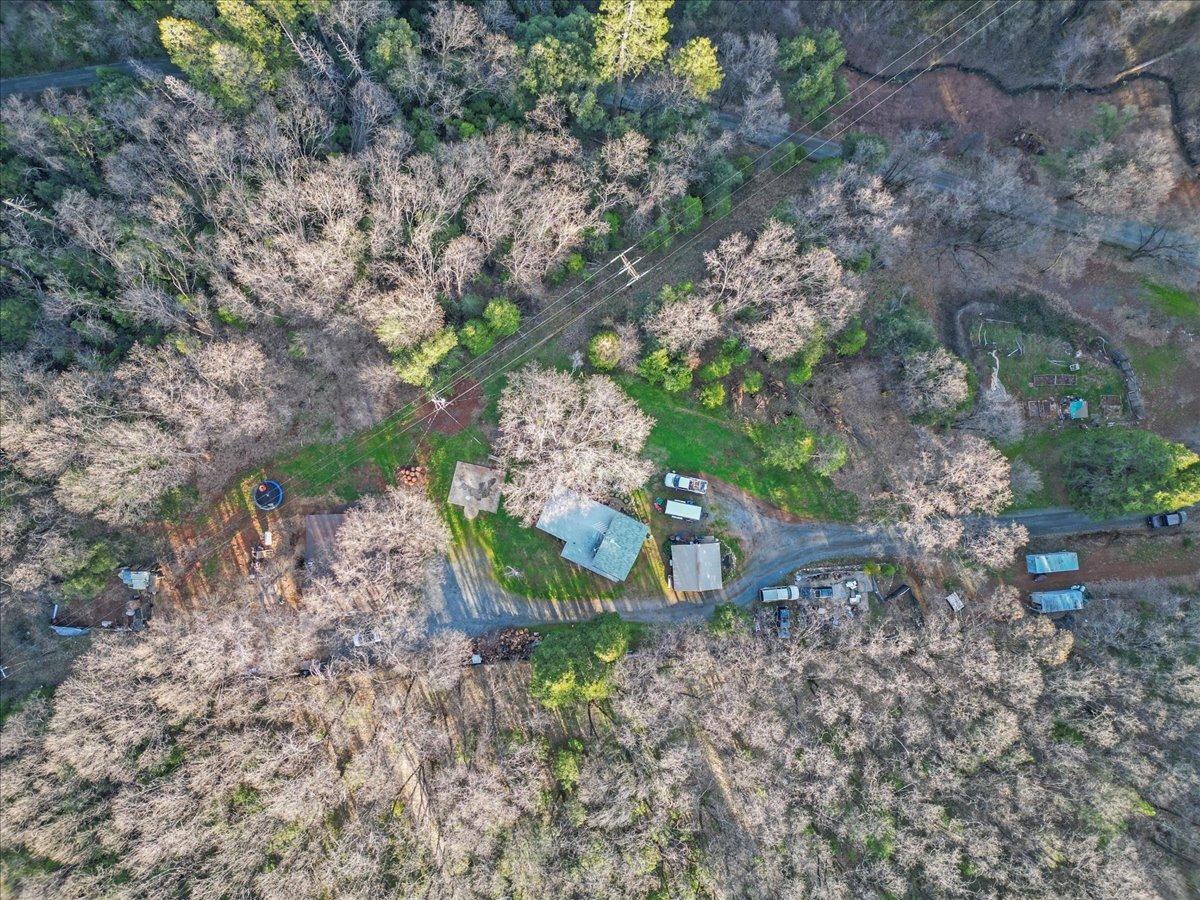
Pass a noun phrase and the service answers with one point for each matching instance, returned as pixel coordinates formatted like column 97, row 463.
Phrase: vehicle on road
column 1167, row 520
column 778, row 594
column 682, row 509
column 785, row 622
column 686, row 483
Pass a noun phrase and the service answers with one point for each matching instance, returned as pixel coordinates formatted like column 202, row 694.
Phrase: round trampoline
column 268, row 495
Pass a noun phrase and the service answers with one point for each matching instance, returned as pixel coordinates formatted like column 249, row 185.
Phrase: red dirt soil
column 1115, row 557
column 460, row 412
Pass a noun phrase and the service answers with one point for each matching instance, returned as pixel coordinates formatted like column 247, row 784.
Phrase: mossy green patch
column 1171, row 301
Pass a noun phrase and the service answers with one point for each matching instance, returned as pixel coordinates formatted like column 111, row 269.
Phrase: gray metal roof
column 596, row 537
column 1057, row 601
column 696, row 567
column 1044, row 563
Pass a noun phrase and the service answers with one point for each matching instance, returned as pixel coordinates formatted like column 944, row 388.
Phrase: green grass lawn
column 691, row 440
column 349, row 467
column 1042, row 450
column 524, row 560
column 1156, row 365
column 1171, row 301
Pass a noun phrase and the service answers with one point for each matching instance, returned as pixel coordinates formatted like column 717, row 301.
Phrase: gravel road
column 465, row 596
column 77, row 78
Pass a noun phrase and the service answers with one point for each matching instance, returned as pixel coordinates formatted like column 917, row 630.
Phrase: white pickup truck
column 684, row 483
column 779, row 594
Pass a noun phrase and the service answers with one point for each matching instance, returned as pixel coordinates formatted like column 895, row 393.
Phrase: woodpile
column 506, row 644
column 411, row 476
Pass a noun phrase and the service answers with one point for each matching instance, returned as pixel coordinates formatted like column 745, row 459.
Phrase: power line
column 507, row 366
column 549, row 312
column 381, row 428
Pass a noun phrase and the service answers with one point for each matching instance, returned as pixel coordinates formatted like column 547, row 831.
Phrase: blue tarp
column 1045, row 563
column 1057, row 601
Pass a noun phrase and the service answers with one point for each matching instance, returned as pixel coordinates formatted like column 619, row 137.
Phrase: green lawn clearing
column 1171, row 301
column 1156, row 365
column 349, row 467
column 690, row 440
column 1045, row 355
column 1042, row 450
column 524, row 560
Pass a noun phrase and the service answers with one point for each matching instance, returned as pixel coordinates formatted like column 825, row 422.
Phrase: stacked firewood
column 411, row 476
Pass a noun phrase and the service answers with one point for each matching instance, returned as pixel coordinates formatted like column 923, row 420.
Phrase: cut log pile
column 507, row 644
column 411, row 476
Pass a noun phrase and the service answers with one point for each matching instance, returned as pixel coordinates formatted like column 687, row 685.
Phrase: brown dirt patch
column 1122, row 556
column 464, row 407
column 215, row 559
column 747, row 499
column 857, row 397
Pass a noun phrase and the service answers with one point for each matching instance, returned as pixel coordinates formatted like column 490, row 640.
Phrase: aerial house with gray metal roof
column 596, row 536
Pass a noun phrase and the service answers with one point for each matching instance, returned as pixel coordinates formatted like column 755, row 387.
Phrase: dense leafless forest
column 586, row 244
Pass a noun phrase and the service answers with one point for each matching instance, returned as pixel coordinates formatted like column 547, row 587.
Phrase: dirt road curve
column 466, row 597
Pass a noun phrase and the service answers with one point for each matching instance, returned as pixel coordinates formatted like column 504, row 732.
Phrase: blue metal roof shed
column 1066, row 600
column 1045, row 563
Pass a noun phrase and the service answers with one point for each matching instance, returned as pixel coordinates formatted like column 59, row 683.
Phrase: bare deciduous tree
column 762, row 115
column 563, row 433
column 384, row 545
column 933, row 382
column 947, row 480
column 775, row 294
column 986, row 218
column 852, row 212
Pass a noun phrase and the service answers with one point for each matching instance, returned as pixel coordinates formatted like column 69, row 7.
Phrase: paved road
column 77, row 78
column 465, row 596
